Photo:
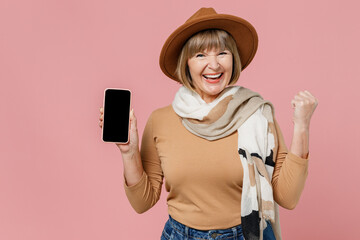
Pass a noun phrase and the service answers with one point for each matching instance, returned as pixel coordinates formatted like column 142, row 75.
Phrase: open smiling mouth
column 213, row 78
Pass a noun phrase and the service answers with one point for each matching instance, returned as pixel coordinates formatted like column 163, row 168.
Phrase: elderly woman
column 218, row 146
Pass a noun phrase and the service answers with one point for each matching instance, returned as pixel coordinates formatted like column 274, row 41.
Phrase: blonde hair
column 207, row 39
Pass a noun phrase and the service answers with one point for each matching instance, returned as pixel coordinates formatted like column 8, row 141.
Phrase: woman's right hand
column 132, row 146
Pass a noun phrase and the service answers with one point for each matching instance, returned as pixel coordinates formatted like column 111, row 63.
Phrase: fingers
column 101, row 118
column 101, row 114
column 307, row 95
column 304, row 97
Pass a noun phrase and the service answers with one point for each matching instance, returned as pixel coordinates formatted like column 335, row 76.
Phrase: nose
column 213, row 62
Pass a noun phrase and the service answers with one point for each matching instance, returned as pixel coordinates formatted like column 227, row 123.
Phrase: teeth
column 213, row 76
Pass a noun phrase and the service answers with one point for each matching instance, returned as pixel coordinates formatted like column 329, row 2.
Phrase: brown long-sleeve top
column 204, row 178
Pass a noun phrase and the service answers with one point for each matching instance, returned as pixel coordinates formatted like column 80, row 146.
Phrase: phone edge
column 102, row 129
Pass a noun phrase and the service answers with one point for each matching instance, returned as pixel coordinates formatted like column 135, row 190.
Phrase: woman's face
column 210, row 72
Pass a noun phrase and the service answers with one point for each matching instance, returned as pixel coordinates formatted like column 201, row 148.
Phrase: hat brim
column 242, row 31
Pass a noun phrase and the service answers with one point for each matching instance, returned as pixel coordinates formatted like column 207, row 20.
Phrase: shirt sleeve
column 289, row 174
column 145, row 194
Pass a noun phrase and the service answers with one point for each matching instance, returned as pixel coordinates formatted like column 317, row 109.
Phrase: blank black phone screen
column 116, row 115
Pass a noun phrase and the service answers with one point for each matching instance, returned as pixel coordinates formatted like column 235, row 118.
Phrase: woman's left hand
column 304, row 105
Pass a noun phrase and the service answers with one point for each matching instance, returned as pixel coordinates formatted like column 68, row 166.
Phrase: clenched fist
column 304, row 105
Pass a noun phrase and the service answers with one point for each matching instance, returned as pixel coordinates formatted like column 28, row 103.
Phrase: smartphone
column 116, row 121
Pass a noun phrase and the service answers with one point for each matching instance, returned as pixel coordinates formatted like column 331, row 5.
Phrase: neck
column 206, row 97
column 209, row 98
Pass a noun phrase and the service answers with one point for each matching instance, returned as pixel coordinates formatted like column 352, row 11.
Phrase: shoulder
column 162, row 112
column 247, row 91
column 164, row 115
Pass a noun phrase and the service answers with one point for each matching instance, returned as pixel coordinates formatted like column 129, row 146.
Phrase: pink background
column 58, row 180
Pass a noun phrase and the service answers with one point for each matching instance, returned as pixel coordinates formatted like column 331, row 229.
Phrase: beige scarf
column 239, row 109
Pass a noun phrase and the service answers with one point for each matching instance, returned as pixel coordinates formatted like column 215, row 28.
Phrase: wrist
column 129, row 155
column 301, row 127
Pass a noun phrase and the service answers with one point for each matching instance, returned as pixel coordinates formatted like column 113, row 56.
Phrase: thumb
column 293, row 103
column 133, row 120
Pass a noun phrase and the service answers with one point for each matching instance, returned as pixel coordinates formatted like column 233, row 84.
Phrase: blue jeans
column 174, row 230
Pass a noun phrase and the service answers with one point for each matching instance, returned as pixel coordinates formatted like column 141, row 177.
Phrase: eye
column 199, row 55
column 223, row 53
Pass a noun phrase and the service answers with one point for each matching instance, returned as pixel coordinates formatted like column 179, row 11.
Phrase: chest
column 190, row 160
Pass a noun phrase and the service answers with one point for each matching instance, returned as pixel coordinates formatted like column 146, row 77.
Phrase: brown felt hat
column 242, row 31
